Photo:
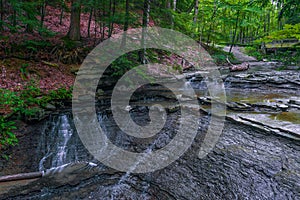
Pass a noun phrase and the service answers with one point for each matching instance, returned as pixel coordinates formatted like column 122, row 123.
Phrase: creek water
column 247, row 163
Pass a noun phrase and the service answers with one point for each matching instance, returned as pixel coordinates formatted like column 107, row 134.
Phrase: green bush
column 26, row 104
column 253, row 51
column 7, row 137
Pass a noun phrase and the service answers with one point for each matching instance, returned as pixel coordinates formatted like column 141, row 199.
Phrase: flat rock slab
column 266, row 122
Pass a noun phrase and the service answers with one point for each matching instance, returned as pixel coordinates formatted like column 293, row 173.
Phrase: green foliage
column 10, row 98
column 69, row 44
column 289, row 31
column 255, row 52
column 27, row 101
column 287, row 57
column 35, row 45
column 59, row 94
column 124, row 63
column 288, row 8
column 177, row 68
column 23, row 70
column 219, row 56
column 7, row 137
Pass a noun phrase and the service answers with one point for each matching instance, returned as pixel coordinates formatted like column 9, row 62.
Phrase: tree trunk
column 29, row 27
column 196, row 12
column 43, row 13
column 61, row 12
column 95, row 28
column 109, row 17
column 14, row 18
column 126, row 24
column 24, row 176
column 190, row 9
column 195, row 18
column 74, row 30
column 174, row 5
column 235, row 31
column 146, row 11
column 89, row 23
column 1, row 14
column 112, row 19
column 201, row 26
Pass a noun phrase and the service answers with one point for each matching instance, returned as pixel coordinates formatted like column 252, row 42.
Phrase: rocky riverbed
column 257, row 155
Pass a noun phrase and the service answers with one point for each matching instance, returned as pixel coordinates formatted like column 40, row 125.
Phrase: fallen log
column 241, row 67
column 23, row 176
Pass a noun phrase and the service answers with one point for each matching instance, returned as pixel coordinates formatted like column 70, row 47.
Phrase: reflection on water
column 287, row 116
column 253, row 97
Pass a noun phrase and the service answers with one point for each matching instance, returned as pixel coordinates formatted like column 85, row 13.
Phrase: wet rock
column 295, row 101
column 247, row 163
column 283, row 107
column 50, row 107
column 239, row 106
column 265, row 80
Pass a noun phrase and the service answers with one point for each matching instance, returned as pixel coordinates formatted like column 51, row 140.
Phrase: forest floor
column 239, row 55
column 51, row 61
column 27, row 58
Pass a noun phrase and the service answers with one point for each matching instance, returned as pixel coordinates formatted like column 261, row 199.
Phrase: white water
column 55, row 143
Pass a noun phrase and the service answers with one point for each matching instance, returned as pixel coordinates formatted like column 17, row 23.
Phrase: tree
column 126, row 23
column 146, row 13
column 74, row 30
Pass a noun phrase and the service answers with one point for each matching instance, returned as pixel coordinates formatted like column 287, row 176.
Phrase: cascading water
column 246, row 163
column 65, row 134
column 59, row 143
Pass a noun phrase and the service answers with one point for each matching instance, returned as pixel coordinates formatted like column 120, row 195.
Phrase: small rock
column 295, row 101
column 50, row 107
column 282, row 107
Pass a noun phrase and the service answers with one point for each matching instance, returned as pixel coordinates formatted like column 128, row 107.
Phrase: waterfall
column 59, row 143
column 64, row 134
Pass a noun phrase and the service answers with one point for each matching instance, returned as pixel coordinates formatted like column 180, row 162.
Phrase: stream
column 256, row 157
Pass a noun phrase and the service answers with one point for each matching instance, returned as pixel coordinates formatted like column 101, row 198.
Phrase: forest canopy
column 210, row 21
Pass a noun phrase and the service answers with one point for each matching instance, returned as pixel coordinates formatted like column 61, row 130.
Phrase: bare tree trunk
column 43, row 13
column 196, row 11
column 235, row 31
column 174, row 5
column 29, row 27
column 146, row 11
column 112, row 19
column 95, row 28
column 269, row 21
column 30, row 16
column 61, row 12
column 74, row 30
column 195, row 18
column 174, row 9
column 101, row 19
column 89, row 23
column 189, row 10
column 126, row 24
column 201, row 28
column 109, row 17
column 168, row 5
column 1, row 14
column 14, row 18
